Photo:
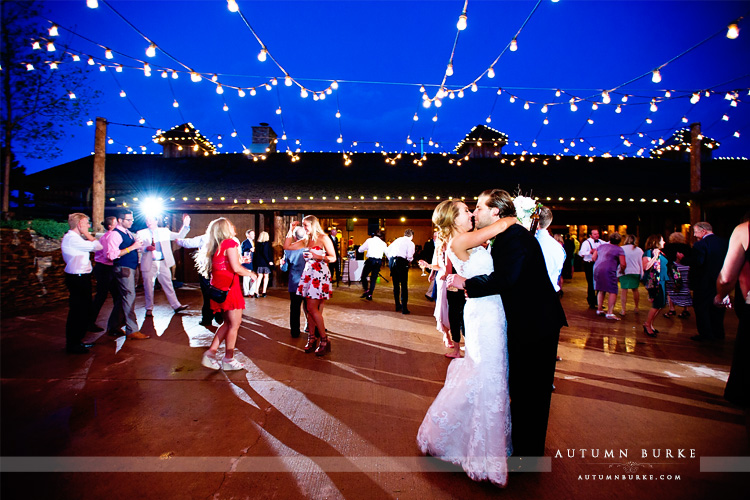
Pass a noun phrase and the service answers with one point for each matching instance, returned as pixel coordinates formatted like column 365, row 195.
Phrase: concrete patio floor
column 144, row 419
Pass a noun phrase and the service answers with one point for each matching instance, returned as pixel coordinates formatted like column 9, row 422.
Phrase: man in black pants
column 375, row 248
column 400, row 254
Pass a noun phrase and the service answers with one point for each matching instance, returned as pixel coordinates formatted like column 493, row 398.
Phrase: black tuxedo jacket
column 706, row 261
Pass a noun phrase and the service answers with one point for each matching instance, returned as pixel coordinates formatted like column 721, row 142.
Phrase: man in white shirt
column 375, row 248
column 553, row 251
column 586, row 251
column 400, row 253
column 157, row 260
column 76, row 246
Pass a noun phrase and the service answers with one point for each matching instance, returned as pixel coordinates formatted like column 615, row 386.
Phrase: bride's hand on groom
column 455, row 281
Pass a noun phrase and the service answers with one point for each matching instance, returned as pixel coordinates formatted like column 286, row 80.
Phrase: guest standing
column 606, row 259
column 677, row 253
column 77, row 243
column 705, row 264
column 553, row 251
column 104, row 274
column 315, row 283
column 247, row 260
column 401, row 253
column 653, row 258
column 335, row 266
column 262, row 263
column 296, row 264
column 586, row 252
column 736, row 269
column 630, row 276
column 219, row 261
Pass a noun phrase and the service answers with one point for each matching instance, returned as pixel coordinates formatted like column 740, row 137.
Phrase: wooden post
column 100, row 145
column 695, row 171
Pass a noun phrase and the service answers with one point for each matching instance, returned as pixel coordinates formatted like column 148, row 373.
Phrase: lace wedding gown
column 468, row 424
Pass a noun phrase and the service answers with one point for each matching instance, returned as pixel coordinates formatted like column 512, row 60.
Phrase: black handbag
column 217, row 294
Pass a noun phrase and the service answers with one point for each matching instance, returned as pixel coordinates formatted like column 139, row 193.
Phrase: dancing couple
column 495, row 401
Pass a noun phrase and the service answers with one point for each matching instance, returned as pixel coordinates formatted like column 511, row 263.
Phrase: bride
column 468, row 424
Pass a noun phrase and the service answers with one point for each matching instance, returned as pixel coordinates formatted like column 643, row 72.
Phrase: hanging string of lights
column 652, row 102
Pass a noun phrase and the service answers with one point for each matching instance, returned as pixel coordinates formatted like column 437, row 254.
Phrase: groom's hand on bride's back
column 455, row 281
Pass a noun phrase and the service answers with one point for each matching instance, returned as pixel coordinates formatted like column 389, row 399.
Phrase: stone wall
column 32, row 272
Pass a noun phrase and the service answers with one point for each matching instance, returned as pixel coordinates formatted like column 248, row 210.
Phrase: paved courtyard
column 144, row 419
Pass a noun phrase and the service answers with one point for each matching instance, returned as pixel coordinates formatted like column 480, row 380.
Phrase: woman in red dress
column 219, row 261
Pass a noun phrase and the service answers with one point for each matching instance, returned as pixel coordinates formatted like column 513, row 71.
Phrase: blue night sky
column 382, row 52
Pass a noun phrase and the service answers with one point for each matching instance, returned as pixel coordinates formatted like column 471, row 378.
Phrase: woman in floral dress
column 315, row 283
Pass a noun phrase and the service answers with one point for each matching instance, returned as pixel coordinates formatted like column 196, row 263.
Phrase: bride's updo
column 444, row 217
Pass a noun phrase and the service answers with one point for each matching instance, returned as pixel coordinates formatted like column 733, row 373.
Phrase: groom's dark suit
column 535, row 316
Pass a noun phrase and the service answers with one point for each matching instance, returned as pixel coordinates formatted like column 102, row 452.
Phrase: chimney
column 264, row 139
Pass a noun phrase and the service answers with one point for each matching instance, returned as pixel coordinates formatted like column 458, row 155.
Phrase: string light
column 219, row 89
column 195, row 77
column 288, row 81
column 594, row 106
column 544, row 108
column 696, row 97
column 491, row 73
column 605, row 97
column 53, row 65
column 653, row 107
column 656, row 76
column 122, row 93
column 118, row 68
column 513, row 45
column 72, row 95
column 151, row 50
column 36, row 46
column 176, row 104
column 53, row 31
column 416, row 117
column 573, row 106
column 489, row 119
column 225, row 108
column 263, row 54
column 278, row 111
column 474, row 87
column 232, row 6
column 461, row 24
column 92, row 4
column 142, row 121
column 449, row 69
column 733, row 31
column 50, row 47
column 334, row 85
column 241, row 92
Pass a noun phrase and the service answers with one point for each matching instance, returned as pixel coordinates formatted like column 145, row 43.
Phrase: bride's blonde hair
column 444, row 217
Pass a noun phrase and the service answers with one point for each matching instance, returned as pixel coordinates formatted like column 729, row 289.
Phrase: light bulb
column 303, row 93
column 232, row 6
column 146, row 69
column 288, row 81
column 725, row 118
column 142, row 121
column 426, row 103
column 667, row 94
column 164, row 74
column 434, row 118
column 329, row 91
column 546, row 121
column 340, row 140
column 241, row 93
column 92, row 4
column 338, row 114
column 151, row 50
column 618, row 109
column 421, row 89
column 452, row 95
column 590, row 121
column 50, row 47
column 322, row 95
column 72, row 95
column 461, row 24
column 438, row 103
column 268, row 87
column 278, row 111
column 737, row 134
column 696, row 97
column 219, row 89
column 684, row 119
column 449, row 70
column 653, row 107
column 122, row 93
column 108, row 54
column 594, row 106
column 334, row 85
column 53, row 65
column 513, row 45
column 234, row 133
column 526, row 105
column 195, row 77
column 101, row 68
column 733, row 31
column 573, row 106
column 118, row 68
column 36, row 46
column 408, row 140
column 489, row 119
column 225, row 108
column 512, row 99
column 474, row 87
column 491, row 73
column 263, row 54
column 461, row 93
column 557, row 93
column 605, row 97
column 656, row 76
column 624, row 98
column 176, row 104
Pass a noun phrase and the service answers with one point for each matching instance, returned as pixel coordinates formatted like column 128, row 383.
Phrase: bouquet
column 527, row 211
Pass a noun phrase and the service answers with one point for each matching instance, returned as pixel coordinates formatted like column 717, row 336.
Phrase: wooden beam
column 97, row 202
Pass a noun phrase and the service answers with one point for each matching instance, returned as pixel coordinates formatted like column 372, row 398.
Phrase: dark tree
column 36, row 103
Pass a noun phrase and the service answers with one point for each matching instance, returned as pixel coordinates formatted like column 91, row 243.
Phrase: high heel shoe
column 312, row 342
column 652, row 333
column 324, row 346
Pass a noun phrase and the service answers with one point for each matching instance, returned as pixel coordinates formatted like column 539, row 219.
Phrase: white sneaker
column 231, row 364
column 210, row 362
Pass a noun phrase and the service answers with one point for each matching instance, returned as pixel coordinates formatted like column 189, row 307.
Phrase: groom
column 534, row 316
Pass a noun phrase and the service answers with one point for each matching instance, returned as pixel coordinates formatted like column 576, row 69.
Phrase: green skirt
column 630, row 281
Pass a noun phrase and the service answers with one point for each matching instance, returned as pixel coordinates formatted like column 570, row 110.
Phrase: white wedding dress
column 468, row 424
